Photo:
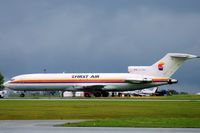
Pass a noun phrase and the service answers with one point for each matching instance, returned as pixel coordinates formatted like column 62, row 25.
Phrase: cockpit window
column 12, row 79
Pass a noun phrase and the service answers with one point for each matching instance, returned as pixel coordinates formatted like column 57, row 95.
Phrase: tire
column 97, row 94
column 22, row 95
column 105, row 94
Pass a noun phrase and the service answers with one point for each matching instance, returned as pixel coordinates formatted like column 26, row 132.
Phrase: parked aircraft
column 139, row 77
column 143, row 92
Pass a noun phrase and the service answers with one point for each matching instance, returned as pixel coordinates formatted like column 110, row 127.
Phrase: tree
column 1, row 81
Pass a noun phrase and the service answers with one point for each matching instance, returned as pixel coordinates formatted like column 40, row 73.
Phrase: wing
column 86, row 87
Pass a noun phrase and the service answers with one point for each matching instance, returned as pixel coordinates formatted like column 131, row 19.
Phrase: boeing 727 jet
column 138, row 77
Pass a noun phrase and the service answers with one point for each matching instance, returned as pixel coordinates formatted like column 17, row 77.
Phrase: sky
column 98, row 36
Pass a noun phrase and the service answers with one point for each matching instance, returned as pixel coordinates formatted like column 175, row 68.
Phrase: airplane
column 143, row 92
column 138, row 77
column 148, row 92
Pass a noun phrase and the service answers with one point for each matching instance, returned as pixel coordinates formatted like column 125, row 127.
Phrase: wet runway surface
column 47, row 126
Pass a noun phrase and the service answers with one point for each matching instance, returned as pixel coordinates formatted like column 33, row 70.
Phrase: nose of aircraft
column 6, row 84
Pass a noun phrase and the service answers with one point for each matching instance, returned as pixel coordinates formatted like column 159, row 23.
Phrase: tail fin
column 165, row 67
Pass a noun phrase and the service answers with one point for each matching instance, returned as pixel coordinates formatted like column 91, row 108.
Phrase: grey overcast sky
column 98, row 36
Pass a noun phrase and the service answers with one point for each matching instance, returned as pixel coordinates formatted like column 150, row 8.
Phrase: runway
column 47, row 126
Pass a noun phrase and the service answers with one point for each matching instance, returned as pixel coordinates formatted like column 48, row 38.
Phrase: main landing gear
column 22, row 95
column 96, row 94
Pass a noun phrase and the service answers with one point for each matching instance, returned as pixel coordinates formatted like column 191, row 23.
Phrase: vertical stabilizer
column 165, row 67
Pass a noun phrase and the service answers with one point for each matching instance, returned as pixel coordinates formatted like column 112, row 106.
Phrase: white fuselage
column 79, row 81
column 139, row 77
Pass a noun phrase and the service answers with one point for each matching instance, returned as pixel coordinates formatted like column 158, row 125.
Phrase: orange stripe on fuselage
column 67, row 80
column 81, row 80
column 160, row 79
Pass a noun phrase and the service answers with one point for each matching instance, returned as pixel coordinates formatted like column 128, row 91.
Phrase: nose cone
column 6, row 84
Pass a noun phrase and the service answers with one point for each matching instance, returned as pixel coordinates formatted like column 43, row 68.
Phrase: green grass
column 180, row 97
column 141, row 122
column 173, row 97
column 106, row 113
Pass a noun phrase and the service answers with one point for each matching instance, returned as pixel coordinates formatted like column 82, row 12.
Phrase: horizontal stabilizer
column 186, row 56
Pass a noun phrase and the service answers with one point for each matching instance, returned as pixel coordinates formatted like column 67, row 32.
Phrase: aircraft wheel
column 97, row 94
column 105, row 94
column 87, row 95
column 22, row 95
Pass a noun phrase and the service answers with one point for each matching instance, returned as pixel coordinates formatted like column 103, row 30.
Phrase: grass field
column 106, row 113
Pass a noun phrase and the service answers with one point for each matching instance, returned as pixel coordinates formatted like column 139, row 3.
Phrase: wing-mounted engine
column 138, row 80
column 151, row 80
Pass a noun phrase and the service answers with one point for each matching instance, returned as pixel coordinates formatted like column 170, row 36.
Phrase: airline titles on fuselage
column 85, row 76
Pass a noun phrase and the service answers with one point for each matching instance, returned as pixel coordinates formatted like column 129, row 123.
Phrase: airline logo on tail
column 161, row 66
